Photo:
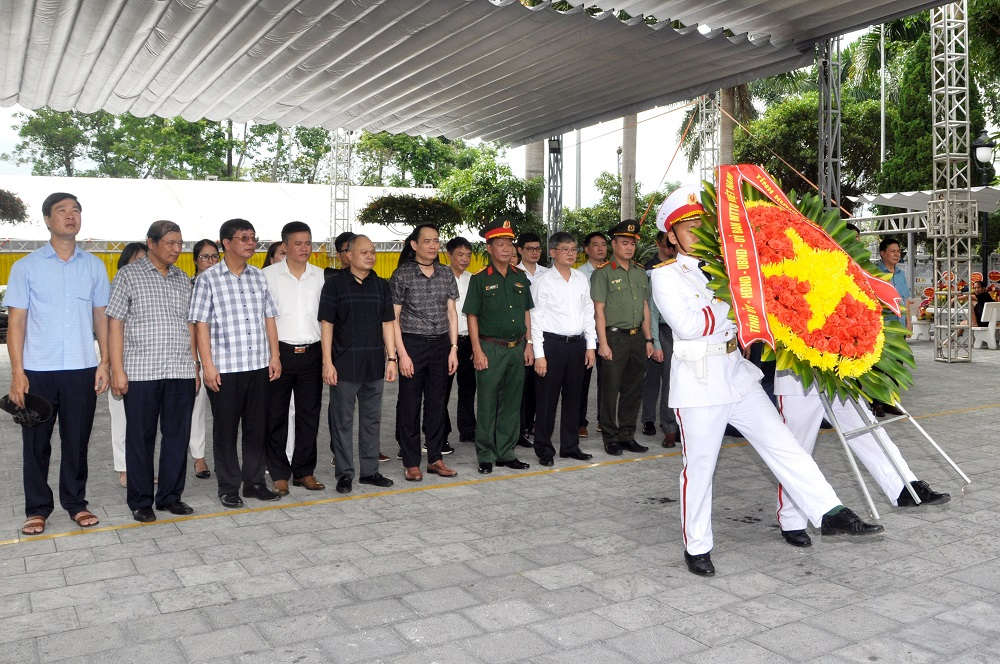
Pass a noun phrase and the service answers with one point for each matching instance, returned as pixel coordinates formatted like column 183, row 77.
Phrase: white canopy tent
column 492, row 69
column 987, row 199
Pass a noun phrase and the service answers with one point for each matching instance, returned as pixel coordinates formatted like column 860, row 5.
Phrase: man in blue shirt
column 56, row 299
column 890, row 253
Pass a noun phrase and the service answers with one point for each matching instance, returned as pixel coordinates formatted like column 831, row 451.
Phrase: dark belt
column 623, row 330
column 296, row 349
column 429, row 338
column 504, row 343
column 562, row 337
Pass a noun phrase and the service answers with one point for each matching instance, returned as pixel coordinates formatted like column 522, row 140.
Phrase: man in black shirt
column 359, row 351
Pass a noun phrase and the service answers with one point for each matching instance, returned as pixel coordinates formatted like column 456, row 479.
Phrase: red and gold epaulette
column 482, row 269
column 604, row 264
column 666, row 262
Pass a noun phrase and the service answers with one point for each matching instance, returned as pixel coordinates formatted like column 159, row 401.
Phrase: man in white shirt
column 564, row 339
column 595, row 246
column 529, row 248
column 459, row 257
column 295, row 286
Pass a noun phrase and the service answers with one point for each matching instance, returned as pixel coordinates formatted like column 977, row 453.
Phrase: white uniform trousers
column 702, row 429
column 197, row 440
column 116, row 407
column 803, row 415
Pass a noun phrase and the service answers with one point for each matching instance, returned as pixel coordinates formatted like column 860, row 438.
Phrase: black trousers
column 528, row 399
column 73, row 400
column 585, row 392
column 241, row 399
column 428, row 385
column 563, row 373
column 301, row 376
column 466, row 411
column 148, row 403
column 657, row 385
column 622, row 379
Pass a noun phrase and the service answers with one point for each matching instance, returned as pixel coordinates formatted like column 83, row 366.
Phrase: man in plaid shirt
column 154, row 367
column 233, row 313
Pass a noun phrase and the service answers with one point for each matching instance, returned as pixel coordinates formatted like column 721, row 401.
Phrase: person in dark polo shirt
column 500, row 331
column 620, row 290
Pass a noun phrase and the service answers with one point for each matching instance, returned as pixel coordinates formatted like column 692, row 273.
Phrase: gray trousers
column 369, row 398
column 657, row 384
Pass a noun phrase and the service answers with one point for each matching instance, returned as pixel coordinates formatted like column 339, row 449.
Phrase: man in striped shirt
column 233, row 313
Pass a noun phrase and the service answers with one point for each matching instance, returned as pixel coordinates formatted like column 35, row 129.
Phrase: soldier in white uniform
column 803, row 411
column 711, row 384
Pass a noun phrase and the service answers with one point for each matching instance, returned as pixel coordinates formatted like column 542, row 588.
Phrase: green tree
column 411, row 211
column 400, row 160
column 53, row 142
column 12, row 208
column 488, row 189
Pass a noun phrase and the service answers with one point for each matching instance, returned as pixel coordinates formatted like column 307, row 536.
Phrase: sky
column 655, row 146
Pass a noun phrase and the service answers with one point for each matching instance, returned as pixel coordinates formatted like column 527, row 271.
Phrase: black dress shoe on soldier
column 260, row 492
column 524, row 442
column 144, row 515
column 846, row 522
column 231, row 500
column 375, row 480
column 485, row 467
column 925, row 493
column 180, row 508
column 798, row 538
column 578, row 455
column 648, row 429
column 513, row 464
column 344, row 484
column 700, row 564
column 613, row 449
column 633, row 446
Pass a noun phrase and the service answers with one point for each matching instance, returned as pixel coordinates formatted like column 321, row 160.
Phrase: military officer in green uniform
column 500, row 331
column 620, row 290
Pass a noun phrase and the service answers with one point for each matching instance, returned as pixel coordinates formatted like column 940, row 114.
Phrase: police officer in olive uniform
column 620, row 290
column 500, row 331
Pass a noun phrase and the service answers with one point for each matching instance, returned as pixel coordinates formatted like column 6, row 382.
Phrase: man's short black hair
column 293, row 227
column 341, row 242
column 560, row 237
column 525, row 238
column 979, row 284
column 591, row 236
column 415, row 235
column 456, row 243
column 52, row 199
column 229, row 229
column 160, row 228
column 354, row 239
column 852, row 227
column 886, row 243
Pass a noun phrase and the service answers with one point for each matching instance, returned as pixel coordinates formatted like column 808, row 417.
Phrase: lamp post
column 982, row 149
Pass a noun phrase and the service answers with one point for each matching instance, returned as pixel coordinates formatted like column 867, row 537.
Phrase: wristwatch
column 649, row 341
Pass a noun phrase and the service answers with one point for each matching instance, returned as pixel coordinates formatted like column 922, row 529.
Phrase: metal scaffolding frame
column 708, row 137
column 555, row 182
column 340, row 184
column 952, row 221
column 828, row 66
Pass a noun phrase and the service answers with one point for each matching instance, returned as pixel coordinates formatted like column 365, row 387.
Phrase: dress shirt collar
column 48, row 251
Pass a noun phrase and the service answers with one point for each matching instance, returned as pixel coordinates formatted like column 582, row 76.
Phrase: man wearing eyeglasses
column 234, row 313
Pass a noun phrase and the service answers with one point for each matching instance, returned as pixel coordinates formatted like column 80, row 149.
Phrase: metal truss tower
column 555, row 184
column 828, row 64
column 951, row 216
column 708, row 137
column 340, row 182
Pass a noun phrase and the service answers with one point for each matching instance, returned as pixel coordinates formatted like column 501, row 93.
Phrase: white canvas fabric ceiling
column 457, row 68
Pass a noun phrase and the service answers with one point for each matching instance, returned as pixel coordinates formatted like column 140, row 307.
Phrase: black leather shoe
column 648, row 429
column 231, row 500
column 524, row 442
column 203, row 474
column 446, row 448
column 344, row 484
column 878, row 409
column 578, row 455
column 513, row 464
column 633, row 446
column 144, row 514
column 925, row 493
column 798, row 538
column 890, row 409
column 180, row 508
column 700, row 564
column 547, row 461
column 375, row 480
column 260, row 492
column 824, row 425
column 846, row 522
column 485, row 467
column 613, row 449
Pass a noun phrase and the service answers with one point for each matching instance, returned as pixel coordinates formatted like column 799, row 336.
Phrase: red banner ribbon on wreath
column 739, row 251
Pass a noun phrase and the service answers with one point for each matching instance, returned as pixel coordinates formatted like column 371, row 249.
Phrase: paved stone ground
column 583, row 564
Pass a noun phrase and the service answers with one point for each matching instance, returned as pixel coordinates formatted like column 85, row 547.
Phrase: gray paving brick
column 716, row 626
column 502, row 564
column 19, row 583
column 242, row 612
column 440, row 599
column 300, row 628
column 15, row 605
column 569, row 600
column 853, row 622
column 450, row 653
column 560, row 576
column 197, row 575
column 230, row 642
column 120, row 551
column 507, row 646
column 380, row 586
column 577, row 629
column 886, row 649
column 283, row 562
column 261, row 586
column 58, row 560
column 366, row 645
column 181, row 599
column 389, row 564
column 161, row 652
column 115, row 610
column 505, row 615
column 98, row 571
column 24, row 651
column 741, row 651
column 437, row 630
column 639, row 613
column 373, row 614
column 39, row 623
column 311, row 600
column 166, row 627
column 447, row 554
column 54, row 647
column 162, row 561
column 946, row 638
column 142, row 583
column 654, row 644
column 236, row 551
column 771, row 610
column 327, row 575
column 54, row 598
column 186, row 542
column 787, row 641
column 289, row 653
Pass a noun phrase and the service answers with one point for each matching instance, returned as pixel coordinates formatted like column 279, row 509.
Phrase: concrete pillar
column 534, row 167
column 629, row 126
column 727, row 110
